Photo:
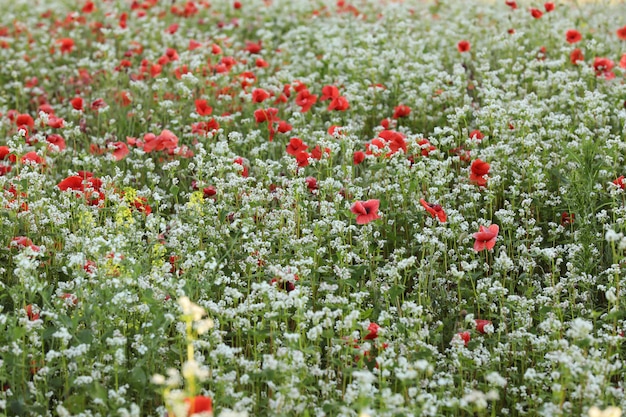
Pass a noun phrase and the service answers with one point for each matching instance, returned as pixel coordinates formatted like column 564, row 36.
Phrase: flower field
column 312, row 208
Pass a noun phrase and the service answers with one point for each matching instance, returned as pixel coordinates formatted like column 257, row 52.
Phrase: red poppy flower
column 295, row 146
column 622, row 61
column 576, row 56
column 237, row 5
column 98, row 104
column 480, row 325
column 202, row 108
column 120, row 150
column 302, row 157
column 31, row 313
column 572, row 36
column 283, row 127
column 305, row 100
column 476, row 135
column 621, row 33
column 603, row 67
column 567, row 218
column 329, row 92
column 253, row 48
column 426, row 146
column 549, row 6
column 366, row 211
column 77, row 103
column 311, row 183
column 6, row 152
column 435, row 210
column 358, row 157
column 84, row 181
column 24, row 120
column 511, row 3
column 486, row 237
column 209, row 191
column 373, row 331
column 401, row 111
column 339, row 104
column 335, row 130
column 89, row 7
column 261, row 63
column 56, row 142
column 66, row 45
column 394, row 139
column 239, row 161
column 317, row 152
column 259, row 95
column 536, row 13
column 478, row 170
column 463, row 46
column 22, row 242
column 32, row 157
column 265, row 115
column 620, row 182
column 465, row 337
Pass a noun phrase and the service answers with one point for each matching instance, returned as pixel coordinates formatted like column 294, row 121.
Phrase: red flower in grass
column 318, row 153
column 549, row 6
column 56, row 122
column 358, row 157
column 266, row 115
column 478, row 172
column 622, row 61
column 567, row 218
column 302, row 158
column 33, row 158
column 480, row 325
column 329, row 92
column 202, row 108
column 56, row 142
column 463, row 46
column 603, row 67
column 283, row 127
column 465, row 337
column 435, row 210
column 572, row 36
column 24, row 120
column 240, row 161
column 199, row 404
column 366, row 211
column 120, row 150
column 575, row 56
column 295, row 146
column 401, row 111
column 335, row 130
column 621, row 33
column 84, row 181
column 311, row 183
column 619, row 182
column 511, row 3
column 22, row 242
column 66, row 45
column 372, row 329
column 306, row 100
column 259, row 95
column 31, row 313
column 476, row 135
column 339, row 104
column 536, row 13
column 486, row 237
column 165, row 140
column 77, row 103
